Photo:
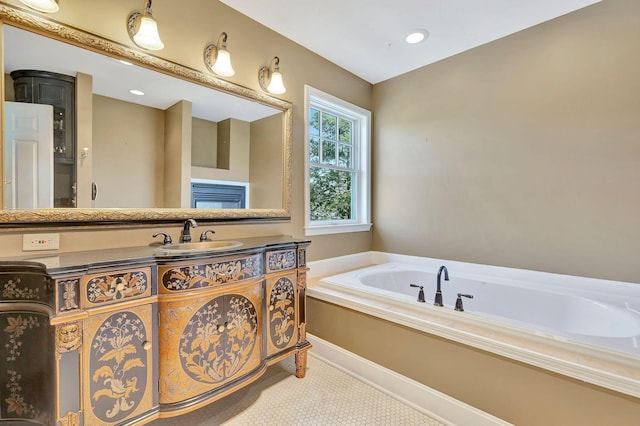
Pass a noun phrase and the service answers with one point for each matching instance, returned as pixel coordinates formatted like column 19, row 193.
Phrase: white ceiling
column 366, row 37
column 111, row 78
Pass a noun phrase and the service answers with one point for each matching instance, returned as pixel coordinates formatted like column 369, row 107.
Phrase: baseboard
column 434, row 404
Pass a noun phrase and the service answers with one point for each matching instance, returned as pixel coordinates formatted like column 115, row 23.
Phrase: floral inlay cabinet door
column 23, row 335
column 118, row 381
column 281, row 313
column 208, row 342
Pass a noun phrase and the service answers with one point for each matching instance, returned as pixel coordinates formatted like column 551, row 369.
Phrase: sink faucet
column 185, row 236
column 438, row 299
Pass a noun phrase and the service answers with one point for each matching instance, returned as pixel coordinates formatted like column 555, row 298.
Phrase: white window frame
column 362, row 146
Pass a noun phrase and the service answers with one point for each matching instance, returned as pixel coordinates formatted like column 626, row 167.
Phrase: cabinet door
column 61, row 95
column 27, row 370
column 208, row 341
column 282, row 308
column 118, row 365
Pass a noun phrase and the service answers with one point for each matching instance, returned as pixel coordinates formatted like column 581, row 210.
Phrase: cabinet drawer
column 206, row 275
column 281, row 260
column 111, row 287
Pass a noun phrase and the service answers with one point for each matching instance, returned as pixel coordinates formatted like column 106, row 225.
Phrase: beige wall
column 186, row 27
column 177, row 154
column 84, row 138
column 265, row 175
column 518, row 393
column 233, row 141
column 233, row 149
column 204, row 143
column 523, row 152
column 128, row 152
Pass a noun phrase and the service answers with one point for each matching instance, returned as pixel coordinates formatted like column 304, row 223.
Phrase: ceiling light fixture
column 417, row 36
column 270, row 78
column 46, row 6
column 136, row 92
column 219, row 55
column 143, row 29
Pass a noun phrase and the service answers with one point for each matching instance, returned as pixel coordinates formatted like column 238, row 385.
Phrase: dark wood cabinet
column 58, row 90
column 28, row 373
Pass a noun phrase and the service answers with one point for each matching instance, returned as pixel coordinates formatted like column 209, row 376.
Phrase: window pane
column 329, row 126
column 314, row 150
column 328, row 152
column 344, row 130
column 314, row 122
column 330, row 194
column 344, row 155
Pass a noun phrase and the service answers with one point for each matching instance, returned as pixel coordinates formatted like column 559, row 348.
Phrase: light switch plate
column 33, row 242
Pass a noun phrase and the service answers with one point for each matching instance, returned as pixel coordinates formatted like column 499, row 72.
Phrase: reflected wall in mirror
column 129, row 156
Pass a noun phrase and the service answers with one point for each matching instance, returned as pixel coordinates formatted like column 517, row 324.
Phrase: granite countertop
column 80, row 260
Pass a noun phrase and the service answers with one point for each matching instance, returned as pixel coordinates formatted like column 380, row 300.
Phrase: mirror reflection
column 87, row 130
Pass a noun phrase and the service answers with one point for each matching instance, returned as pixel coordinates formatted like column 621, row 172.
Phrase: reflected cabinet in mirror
column 98, row 132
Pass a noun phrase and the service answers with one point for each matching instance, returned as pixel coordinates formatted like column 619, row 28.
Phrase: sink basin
column 197, row 247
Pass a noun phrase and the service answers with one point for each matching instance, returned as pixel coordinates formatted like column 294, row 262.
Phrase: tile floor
column 326, row 396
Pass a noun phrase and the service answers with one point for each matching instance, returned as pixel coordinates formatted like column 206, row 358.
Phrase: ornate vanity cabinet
column 121, row 337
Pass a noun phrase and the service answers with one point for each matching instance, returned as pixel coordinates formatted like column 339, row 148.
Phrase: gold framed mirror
column 272, row 199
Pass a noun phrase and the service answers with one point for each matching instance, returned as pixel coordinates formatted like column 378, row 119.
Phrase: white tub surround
column 585, row 328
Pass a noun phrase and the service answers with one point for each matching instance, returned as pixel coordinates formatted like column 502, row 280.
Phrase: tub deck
column 610, row 369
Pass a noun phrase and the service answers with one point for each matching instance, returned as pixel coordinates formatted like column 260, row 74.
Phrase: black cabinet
column 58, row 90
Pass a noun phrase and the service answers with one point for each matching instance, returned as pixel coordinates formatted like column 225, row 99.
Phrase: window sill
column 336, row 229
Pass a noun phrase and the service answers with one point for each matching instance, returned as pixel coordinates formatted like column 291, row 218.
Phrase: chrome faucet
column 438, row 299
column 185, row 236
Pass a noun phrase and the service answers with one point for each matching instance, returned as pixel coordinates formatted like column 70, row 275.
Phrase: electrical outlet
column 33, row 242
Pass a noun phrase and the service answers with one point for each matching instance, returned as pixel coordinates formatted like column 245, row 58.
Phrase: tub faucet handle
column 459, row 306
column 420, row 293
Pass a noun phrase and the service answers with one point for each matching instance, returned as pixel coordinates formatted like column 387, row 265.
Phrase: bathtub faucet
column 420, row 292
column 438, row 299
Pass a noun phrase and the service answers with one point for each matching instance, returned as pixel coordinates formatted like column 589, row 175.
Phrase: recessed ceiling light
column 417, row 36
column 124, row 62
column 136, row 92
